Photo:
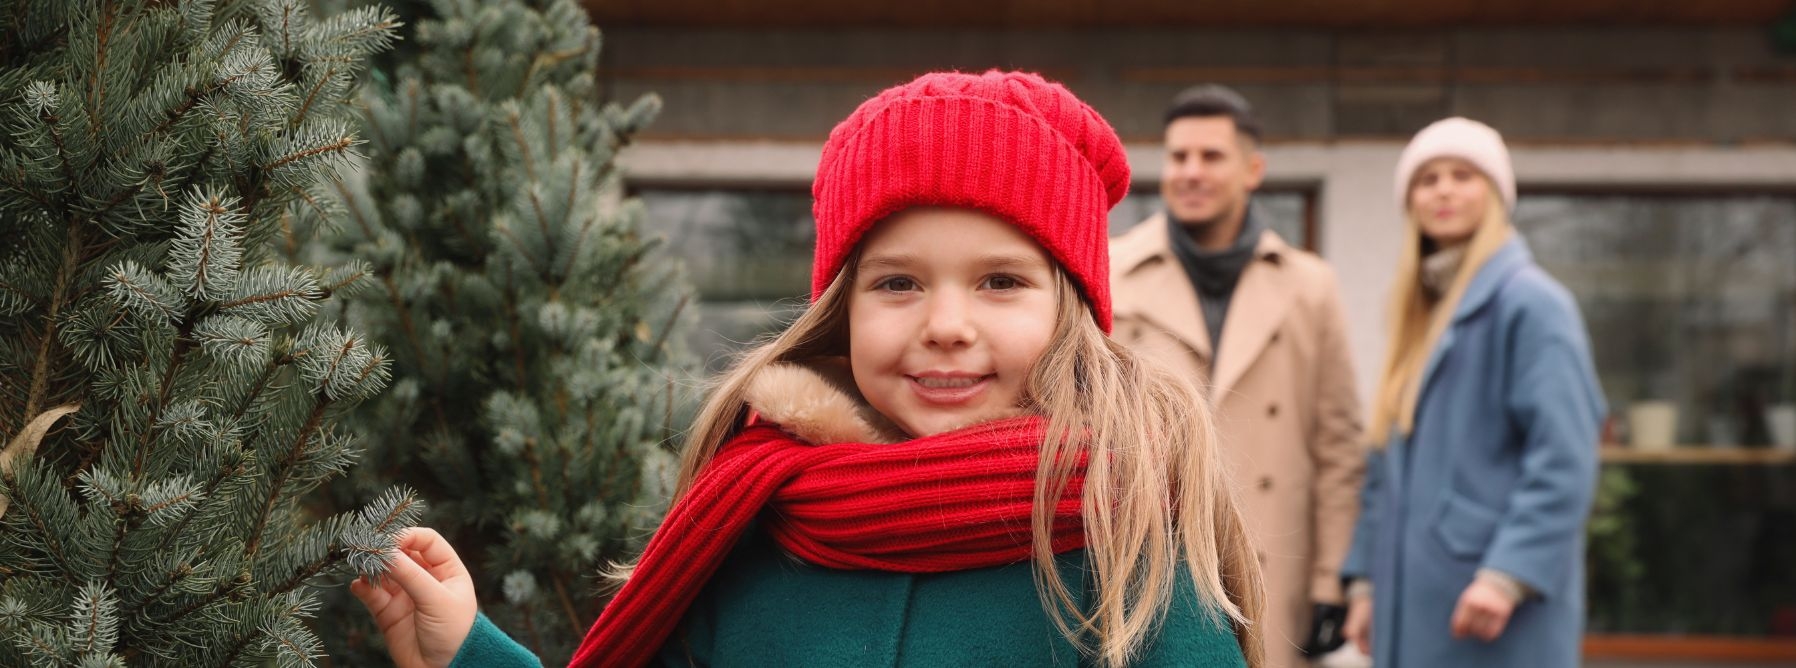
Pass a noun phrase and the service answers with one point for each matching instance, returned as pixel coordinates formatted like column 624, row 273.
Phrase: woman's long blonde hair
column 1154, row 489
column 1417, row 321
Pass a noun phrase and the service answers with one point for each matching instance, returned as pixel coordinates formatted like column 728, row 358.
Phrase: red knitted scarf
column 948, row 502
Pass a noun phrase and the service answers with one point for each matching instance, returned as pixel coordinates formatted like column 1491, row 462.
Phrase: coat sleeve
column 1335, row 449
column 489, row 647
column 1360, row 554
column 1553, row 401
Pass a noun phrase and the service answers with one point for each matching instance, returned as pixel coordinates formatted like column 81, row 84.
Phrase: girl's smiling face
column 948, row 312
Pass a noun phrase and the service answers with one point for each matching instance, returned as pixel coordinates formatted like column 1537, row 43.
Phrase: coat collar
column 1512, row 256
column 1144, row 256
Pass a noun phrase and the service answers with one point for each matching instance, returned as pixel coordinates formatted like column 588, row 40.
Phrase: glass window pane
column 1691, row 306
column 1285, row 212
column 1689, row 300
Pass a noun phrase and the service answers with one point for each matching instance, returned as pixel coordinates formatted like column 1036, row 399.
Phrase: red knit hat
column 1011, row 144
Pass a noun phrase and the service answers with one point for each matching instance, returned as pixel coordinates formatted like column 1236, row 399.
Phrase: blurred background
column 1653, row 144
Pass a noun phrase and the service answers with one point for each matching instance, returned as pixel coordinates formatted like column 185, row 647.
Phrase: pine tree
column 169, row 391
column 528, row 315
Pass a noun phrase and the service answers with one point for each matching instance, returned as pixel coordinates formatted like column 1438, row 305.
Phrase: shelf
column 1679, row 647
column 1696, row 454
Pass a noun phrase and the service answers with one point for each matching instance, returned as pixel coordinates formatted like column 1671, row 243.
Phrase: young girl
column 945, row 459
column 1470, row 544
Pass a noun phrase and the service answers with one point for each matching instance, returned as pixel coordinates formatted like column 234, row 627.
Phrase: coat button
column 1271, row 410
column 1265, row 483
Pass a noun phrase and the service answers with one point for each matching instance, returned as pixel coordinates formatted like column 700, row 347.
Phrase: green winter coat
column 763, row 608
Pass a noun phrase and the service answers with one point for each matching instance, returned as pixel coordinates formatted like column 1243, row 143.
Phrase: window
column 1690, row 301
column 747, row 252
column 1286, row 210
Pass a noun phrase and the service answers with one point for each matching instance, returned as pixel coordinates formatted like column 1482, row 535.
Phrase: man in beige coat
column 1206, row 289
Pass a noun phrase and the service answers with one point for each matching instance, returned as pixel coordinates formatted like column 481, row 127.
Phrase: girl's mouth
column 949, row 388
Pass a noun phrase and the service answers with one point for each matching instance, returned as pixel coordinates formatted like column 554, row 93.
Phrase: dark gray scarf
column 1215, row 273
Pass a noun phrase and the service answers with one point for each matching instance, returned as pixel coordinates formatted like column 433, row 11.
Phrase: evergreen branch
column 183, row 344
column 311, row 95
column 661, row 338
column 262, row 383
column 265, row 297
column 40, row 372
column 405, row 321
column 586, row 228
column 567, row 603
column 97, row 78
column 118, row 545
column 43, row 527
column 505, row 231
column 175, row 577
column 230, row 657
column 331, row 557
column 355, row 212
column 514, row 120
column 174, row 115
column 340, row 144
column 349, row 278
column 62, row 154
column 517, row 334
column 284, row 470
column 223, row 589
column 547, row 268
column 536, row 637
column 119, row 198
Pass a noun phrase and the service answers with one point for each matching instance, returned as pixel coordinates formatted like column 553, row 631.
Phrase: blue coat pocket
column 1466, row 527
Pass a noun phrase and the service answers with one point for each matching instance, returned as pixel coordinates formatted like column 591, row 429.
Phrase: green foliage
column 535, row 389
column 150, row 155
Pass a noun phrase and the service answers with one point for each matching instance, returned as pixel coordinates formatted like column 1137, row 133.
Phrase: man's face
column 1210, row 169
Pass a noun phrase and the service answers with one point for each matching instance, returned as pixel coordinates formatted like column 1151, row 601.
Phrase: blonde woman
column 1470, row 545
column 945, row 460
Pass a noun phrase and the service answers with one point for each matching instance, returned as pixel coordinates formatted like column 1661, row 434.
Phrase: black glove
column 1325, row 630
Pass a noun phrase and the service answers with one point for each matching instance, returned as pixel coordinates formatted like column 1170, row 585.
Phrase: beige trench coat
column 1284, row 399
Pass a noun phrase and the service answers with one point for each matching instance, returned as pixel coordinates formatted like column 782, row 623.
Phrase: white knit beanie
column 1462, row 138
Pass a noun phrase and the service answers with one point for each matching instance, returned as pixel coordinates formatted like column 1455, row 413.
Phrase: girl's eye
column 1003, row 283
column 896, row 284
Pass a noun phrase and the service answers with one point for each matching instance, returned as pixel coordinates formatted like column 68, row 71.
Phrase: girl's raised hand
column 425, row 606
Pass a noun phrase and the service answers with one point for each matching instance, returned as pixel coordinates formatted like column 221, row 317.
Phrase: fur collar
column 817, row 402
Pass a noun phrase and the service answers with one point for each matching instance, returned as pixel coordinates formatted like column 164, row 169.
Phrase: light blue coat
column 1498, row 473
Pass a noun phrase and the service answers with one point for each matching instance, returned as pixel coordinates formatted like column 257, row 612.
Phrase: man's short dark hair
column 1212, row 100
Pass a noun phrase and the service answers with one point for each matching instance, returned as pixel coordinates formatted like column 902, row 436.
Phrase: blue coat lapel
column 1513, row 256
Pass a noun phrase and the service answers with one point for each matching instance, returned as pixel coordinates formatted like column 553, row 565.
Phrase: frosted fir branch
column 274, row 296
column 206, row 256
column 292, row 643
column 233, row 341
column 355, row 34
column 149, row 296
column 368, row 540
column 296, row 161
column 286, row 22
column 346, row 280
column 165, row 501
column 94, row 627
column 311, row 96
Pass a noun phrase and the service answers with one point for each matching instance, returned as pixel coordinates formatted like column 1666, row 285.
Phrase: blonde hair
column 1154, row 488
column 1417, row 321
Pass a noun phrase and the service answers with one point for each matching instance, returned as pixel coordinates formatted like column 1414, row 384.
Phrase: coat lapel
column 1169, row 301
column 1258, row 307
column 1513, row 256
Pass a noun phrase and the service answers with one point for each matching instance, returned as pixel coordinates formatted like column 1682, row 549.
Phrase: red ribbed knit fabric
column 948, row 502
column 1008, row 143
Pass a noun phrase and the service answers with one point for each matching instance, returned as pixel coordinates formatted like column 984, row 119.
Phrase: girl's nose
column 950, row 321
